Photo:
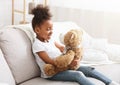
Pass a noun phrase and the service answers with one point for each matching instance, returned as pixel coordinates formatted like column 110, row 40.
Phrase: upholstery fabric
column 5, row 73
column 112, row 71
column 37, row 81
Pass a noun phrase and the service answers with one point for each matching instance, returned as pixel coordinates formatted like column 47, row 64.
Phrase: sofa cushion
column 37, row 81
column 112, row 71
column 5, row 73
column 16, row 48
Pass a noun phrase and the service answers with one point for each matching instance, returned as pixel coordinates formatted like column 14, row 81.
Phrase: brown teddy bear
column 72, row 41
column 73, row 51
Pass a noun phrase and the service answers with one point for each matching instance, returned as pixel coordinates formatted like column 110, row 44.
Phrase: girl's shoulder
column 37, row 41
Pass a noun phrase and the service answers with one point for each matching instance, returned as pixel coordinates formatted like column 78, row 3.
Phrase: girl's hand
column 61, row 48
column 74, row 62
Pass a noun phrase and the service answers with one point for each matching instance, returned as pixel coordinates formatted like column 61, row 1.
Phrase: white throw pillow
column 98, row 44
column 94, row 56
column 27, row 28
column 113, row 51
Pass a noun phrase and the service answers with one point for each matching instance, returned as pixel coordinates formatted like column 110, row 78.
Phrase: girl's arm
column 60, row 47
column 44, row 56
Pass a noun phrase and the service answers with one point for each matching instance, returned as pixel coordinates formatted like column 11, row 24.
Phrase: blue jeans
column 80, row 76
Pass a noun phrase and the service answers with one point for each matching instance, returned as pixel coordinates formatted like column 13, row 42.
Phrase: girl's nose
column 51, row 32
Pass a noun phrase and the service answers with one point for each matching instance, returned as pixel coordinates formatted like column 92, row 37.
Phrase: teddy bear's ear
column 72, row 37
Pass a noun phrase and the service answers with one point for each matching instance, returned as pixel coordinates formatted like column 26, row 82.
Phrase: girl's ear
column 37, row 29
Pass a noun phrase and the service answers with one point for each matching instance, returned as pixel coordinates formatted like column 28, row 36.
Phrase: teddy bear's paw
column 49, row 70
column 70, row 52
column 74, row 67
column 61, row 65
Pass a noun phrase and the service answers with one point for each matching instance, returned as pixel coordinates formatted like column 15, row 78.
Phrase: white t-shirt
column 49, row 48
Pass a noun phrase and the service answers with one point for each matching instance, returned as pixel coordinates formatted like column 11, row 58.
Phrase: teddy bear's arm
column 64, row 60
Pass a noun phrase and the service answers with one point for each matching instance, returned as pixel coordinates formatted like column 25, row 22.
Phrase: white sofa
column 17, row 63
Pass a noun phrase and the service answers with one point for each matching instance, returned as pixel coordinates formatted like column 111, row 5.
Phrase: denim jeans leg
column 73, row 76
column 91, row 72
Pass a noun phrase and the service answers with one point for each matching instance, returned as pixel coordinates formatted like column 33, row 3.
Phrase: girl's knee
column 78, row 74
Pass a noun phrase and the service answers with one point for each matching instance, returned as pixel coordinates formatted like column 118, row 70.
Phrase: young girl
column 46, row 50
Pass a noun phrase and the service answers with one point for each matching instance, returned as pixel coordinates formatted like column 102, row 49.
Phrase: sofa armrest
column 6, row 77
column 3, row 83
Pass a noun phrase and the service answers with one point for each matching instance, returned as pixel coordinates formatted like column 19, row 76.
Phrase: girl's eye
column 49, row 29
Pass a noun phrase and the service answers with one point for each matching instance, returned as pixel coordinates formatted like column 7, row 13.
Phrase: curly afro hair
column 41, row 13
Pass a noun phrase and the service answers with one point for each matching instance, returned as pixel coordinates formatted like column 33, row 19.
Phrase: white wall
column 5, row 12
column 112, row 26
column 98, row 22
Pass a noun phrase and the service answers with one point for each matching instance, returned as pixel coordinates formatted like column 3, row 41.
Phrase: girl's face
column 44, row 31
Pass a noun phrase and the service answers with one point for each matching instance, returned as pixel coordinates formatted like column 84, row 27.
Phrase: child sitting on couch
column 46, row 50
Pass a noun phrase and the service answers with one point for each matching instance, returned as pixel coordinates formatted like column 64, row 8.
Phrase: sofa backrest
column 16, row 47
column 5, row 73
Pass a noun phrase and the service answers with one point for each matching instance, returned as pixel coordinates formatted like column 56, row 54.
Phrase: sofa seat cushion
column 112, row 71
column 16, row 48
column 41, row 81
